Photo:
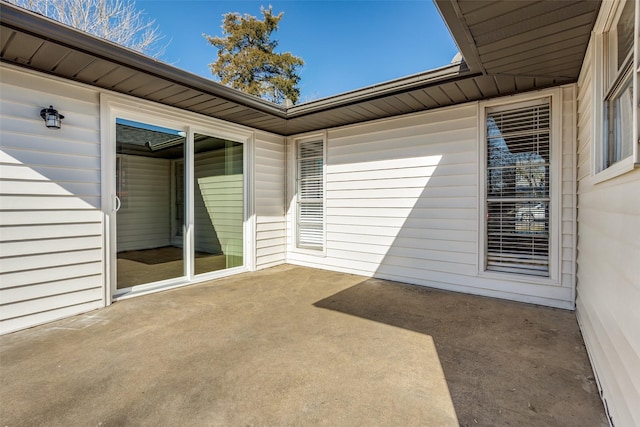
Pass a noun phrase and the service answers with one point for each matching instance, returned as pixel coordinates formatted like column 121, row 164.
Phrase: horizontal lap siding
column 402, row 204
column 608, row 271
column 51, row 262
column 568, row 186
column 269, row 189
column 392, row 209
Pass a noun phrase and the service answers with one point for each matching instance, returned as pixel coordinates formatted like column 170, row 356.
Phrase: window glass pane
column 218, row 203
column 518, row 160
column 310, row 167
column 150, row 221
column 624, row 29
column 618, row 119
column 310, row 185
column 518, row 157
column 311, row 188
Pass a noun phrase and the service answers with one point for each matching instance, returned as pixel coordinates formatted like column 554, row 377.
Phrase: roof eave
column 48, row 29
column 415, row 81
column 452, row 16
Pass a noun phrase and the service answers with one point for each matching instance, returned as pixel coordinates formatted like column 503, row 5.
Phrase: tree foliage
column 247, row 60
column 116, row 20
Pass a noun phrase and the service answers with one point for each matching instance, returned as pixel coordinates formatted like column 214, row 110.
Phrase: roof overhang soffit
column 502, row 56
column 536, row 39
column 454, row 19
column 49, row 30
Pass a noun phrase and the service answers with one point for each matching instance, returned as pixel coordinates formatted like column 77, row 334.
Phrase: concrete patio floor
column 297, row 346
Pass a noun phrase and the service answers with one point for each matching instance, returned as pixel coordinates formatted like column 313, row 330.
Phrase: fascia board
column 404, row 84
column 452, row 16
column 47, row 29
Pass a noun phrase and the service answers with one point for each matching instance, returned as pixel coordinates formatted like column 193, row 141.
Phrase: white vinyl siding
column 568, row 199
column 517, row 188
column 269, row 173
column 144, row 218
column 608, row 271
column 52, row 257
column 402, row 204
column 310, row 194
column 50, row 219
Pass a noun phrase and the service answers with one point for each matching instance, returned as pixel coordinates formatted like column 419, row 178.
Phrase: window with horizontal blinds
column 310, row 186
column 517, row 189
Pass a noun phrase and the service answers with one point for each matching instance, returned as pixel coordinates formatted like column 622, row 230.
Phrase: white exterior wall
column 52, row 259
column 269, row 189
column 402, row 204
column 51, row 263
column 608, row 275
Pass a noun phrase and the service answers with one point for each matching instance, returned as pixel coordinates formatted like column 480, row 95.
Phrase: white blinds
column 310, row 185
column 517, row 190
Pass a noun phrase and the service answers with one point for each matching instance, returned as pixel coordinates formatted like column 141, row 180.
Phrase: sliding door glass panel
column 218, row 203
column 150, row 186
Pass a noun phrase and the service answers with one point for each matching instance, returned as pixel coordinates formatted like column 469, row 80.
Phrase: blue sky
column 346, row 44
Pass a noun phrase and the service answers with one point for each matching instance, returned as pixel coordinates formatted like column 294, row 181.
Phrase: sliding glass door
column 180, row 205
column 150, row 217
column 218, row 203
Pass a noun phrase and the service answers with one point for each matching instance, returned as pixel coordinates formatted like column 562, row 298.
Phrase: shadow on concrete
column 505, row 363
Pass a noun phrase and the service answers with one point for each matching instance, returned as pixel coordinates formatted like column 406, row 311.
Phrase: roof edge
column 402, row 84
column 459, row 30
column 46, row 28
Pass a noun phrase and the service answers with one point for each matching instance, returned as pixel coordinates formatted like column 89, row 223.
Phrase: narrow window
column 310, row 189
column 618, row 90
column 517, row 189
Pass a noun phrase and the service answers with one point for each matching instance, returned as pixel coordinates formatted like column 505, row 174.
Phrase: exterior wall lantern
column 52, row 119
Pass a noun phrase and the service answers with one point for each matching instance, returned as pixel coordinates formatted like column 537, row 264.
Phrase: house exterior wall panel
column 20, row 172
column 43, row 290
column 568, row 187
column 269, row 190
column 47, row 316
column 608, row 272
column 402, row 204
column 50, row 218
column 75, row 243
column 38, row 261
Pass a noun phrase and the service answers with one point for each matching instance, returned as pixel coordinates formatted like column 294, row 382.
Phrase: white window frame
column 604, row 85
column 293, row 167
column 555, row 187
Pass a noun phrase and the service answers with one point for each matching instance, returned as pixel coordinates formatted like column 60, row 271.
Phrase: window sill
column 615, row 170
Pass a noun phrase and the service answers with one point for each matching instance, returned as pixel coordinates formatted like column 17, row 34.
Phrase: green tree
column 247, row 60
